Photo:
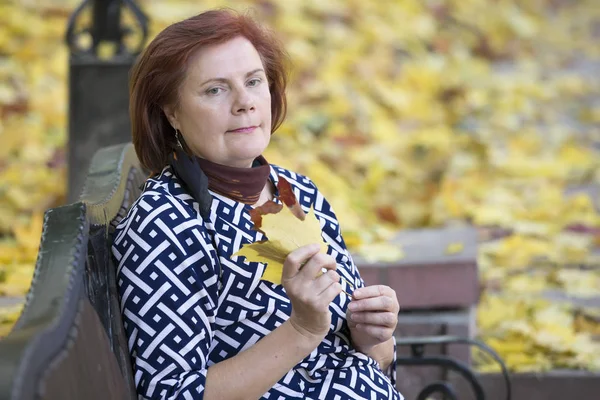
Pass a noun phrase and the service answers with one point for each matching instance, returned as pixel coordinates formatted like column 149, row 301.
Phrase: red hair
column 161, row 69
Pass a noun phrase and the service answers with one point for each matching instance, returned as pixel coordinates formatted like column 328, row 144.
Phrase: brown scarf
column 241, row 184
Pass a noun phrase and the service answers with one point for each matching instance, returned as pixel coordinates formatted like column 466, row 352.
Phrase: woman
column 206, row 95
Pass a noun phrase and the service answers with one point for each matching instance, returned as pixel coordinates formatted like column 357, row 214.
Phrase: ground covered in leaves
column 406, row 114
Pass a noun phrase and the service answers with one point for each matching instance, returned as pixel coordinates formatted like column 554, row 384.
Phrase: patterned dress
column 187, row 305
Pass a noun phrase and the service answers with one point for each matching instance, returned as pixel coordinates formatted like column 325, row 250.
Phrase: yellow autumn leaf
column 381, row 252
column 285, row 234
column 455, row 248
column 29, row 236
column 8, row 316
column 16, row 279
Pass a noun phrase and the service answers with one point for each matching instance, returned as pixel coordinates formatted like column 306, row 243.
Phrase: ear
column 171, row 115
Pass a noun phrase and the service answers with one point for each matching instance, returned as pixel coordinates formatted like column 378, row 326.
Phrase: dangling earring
column 177, row 138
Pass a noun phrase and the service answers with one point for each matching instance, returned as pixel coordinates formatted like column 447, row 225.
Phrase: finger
column 294, row 261
column 312, row 269
column 380, row 333
column 327, row 296
column 383, row 319
column 373, row 291
column 381, row 303
column 325, row 280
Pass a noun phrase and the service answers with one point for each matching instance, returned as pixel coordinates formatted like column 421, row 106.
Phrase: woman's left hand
column 372, row 316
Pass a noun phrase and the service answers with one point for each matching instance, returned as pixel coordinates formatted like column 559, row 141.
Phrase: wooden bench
column 69, row 342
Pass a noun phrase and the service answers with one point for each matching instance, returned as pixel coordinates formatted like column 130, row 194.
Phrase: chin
column 252, row 150
column 249, row 157
column 246, row 156
column 247, row 150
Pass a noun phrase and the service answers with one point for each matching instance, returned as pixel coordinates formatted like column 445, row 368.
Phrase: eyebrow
column 225, row 79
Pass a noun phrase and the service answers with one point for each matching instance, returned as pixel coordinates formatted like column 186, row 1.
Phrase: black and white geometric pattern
column 186, row 305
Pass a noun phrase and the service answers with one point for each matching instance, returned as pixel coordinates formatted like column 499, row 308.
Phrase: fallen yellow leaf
column 455, row 248
column 285, row 234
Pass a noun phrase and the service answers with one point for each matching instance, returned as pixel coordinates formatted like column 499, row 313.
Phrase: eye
column 254, row 82
column 214, row 91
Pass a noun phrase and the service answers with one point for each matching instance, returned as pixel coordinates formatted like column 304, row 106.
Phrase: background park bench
column 463, row 136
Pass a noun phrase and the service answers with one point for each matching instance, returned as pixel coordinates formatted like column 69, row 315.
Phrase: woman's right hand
column 309, row 293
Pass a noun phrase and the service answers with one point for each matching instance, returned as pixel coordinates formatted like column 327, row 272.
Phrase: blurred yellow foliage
column 416, row 113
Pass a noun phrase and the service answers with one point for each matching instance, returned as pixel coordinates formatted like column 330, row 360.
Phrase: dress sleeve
column 168, row 290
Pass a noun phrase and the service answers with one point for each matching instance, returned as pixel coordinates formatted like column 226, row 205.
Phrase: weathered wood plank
column 88, row 358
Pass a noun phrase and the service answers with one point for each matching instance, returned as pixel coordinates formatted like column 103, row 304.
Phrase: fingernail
column 352, row 306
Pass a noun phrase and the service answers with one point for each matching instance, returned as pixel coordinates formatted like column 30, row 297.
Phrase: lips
column 245, row 129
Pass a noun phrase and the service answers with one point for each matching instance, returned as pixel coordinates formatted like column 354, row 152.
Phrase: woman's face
column 224, row 111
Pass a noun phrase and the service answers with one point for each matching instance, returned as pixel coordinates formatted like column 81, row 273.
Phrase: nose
column 243, row 102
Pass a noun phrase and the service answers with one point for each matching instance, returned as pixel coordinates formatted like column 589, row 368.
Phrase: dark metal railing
column 446, row 389
column 106, row 26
